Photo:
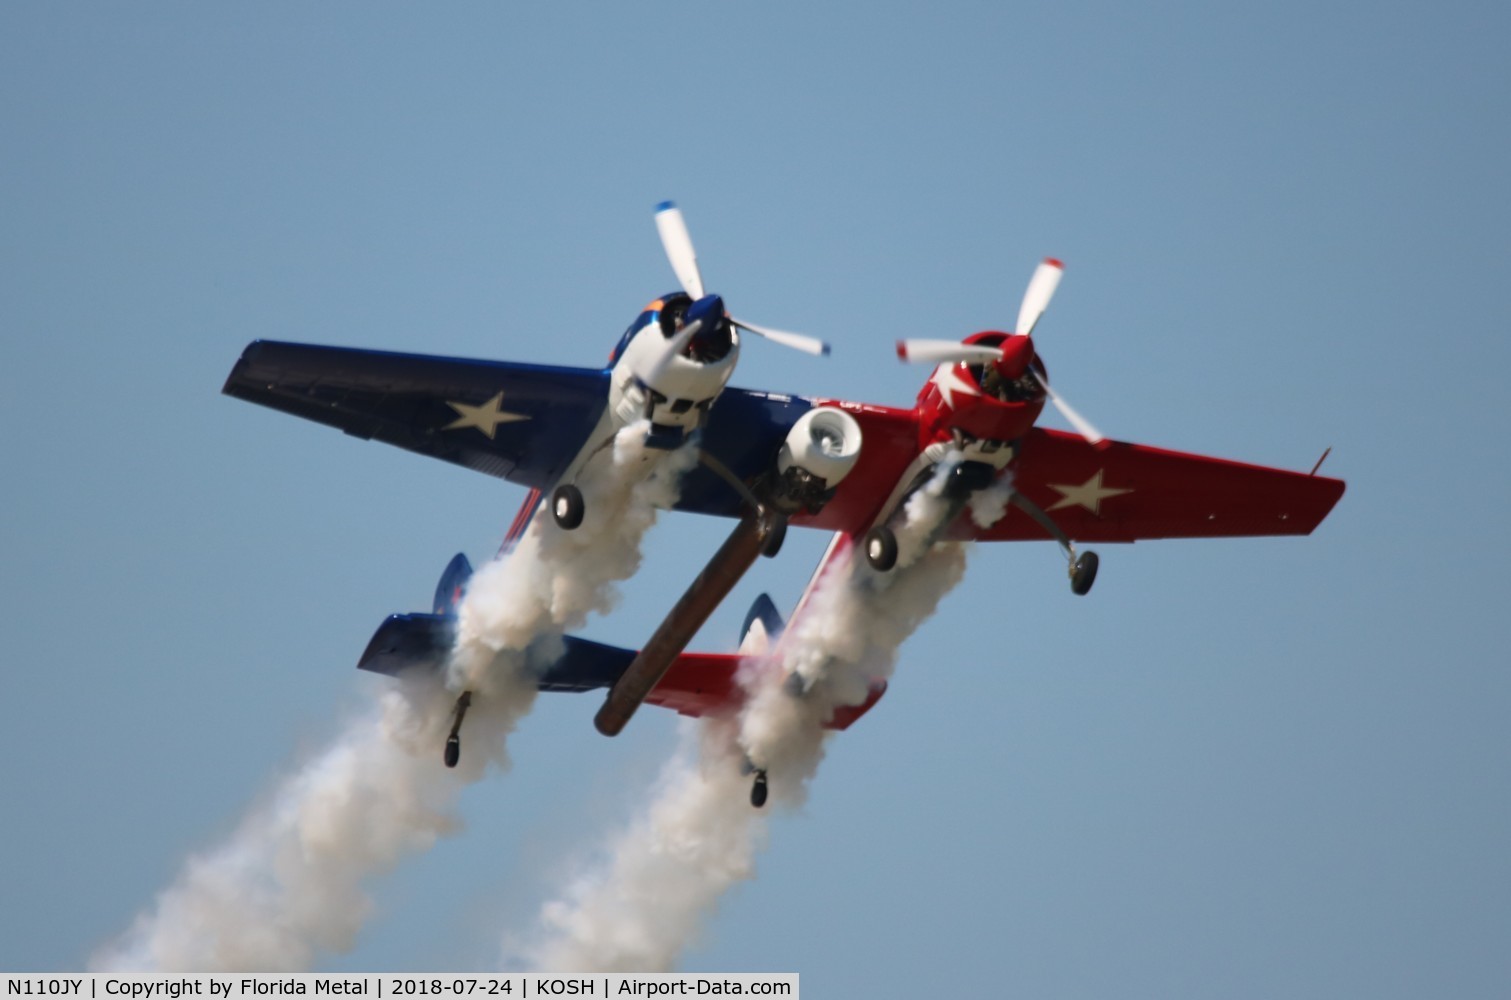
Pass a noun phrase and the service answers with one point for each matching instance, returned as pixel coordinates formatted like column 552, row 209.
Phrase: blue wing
column 521, row 422
column 745, row 430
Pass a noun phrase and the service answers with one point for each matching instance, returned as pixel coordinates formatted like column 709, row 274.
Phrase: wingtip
column 902, row 350
column 1055, row 262
column 665, row 206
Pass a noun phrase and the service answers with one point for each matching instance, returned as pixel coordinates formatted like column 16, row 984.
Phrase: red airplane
column 769, row 460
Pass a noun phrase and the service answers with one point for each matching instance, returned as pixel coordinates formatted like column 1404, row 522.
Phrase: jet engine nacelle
column 820, row 450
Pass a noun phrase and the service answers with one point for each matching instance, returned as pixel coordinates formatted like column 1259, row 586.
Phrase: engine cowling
column 676, row 390
column 819, row 452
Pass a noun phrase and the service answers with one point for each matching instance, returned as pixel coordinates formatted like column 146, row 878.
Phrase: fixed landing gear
column 758, row 790
column 454, row 740
column 1083, row 573
column 773, row 519
column 1083, row 567
column 968, row 478
column 567, row 506
column 776, row 533
column 758, row 787
column 964, row 480
column 881, row 548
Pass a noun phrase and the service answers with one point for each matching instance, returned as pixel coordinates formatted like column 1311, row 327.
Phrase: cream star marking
column 948, row 381
column 485, row 418
column 1089, row 494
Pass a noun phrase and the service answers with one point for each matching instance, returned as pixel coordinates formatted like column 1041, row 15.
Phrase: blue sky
column 1246, row 768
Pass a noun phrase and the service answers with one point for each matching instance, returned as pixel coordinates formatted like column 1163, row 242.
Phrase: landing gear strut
column 965, row 479
column 775, row 519
column 1083, row 567
column 454, row 741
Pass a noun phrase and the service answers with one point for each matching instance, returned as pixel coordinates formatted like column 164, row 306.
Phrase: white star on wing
column 485, row 418
column 948, row 381
column 1089, row 494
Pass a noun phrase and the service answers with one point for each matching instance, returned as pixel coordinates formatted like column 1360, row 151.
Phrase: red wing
column 1123, row 492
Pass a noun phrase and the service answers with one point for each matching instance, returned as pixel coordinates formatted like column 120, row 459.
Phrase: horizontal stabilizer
column 409, row 642
column 696, row 684
column 423, row 642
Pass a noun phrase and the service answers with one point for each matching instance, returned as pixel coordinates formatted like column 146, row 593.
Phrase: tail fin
column 763, row 625
column 448, row 593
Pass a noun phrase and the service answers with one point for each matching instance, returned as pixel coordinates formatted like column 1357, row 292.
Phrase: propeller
column 1080, row 423
column 933, row 352
column 1041, row 288
column 1036, row 299
column 678, row 244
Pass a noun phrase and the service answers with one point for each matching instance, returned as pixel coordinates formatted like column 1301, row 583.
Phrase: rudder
column 763, row 625
column 453, row 584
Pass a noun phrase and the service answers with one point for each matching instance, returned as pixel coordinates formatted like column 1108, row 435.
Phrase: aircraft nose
column 709, row 309
column 712, row 341
column 1017, row 352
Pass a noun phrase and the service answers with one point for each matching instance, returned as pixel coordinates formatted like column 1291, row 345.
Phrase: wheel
column 567, row 506
column 758, row 790
column 776, row 534
column 881, row 548
column 1084, row 574
column 968, row 477
column 453, row 751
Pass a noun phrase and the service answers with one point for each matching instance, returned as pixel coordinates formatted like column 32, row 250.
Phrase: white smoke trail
column 517, row 609
column 290, row 882
column 666, row 872
column 845, row 642
column 557, row 578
